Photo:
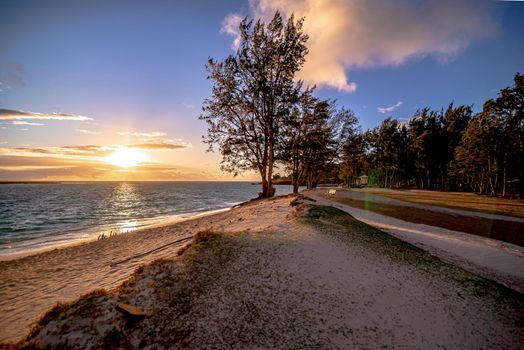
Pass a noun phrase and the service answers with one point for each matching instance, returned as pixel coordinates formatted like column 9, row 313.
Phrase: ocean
column 35, row 216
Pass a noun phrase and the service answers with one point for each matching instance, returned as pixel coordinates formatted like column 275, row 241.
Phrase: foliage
column 451, row 149
column 253, row 91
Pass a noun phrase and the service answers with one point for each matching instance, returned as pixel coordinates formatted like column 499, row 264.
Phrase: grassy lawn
column 507, row 231
column 459, row 200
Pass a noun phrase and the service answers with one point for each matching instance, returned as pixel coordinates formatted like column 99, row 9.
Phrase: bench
column 332, row 193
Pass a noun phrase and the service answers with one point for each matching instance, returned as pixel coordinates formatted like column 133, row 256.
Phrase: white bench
column 332, row 193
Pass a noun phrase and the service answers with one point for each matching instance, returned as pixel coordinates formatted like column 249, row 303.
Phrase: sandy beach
column 32, row 284
column 265, row 275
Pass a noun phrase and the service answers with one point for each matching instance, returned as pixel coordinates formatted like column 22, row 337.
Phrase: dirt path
column 322, row 281
column 493, row 259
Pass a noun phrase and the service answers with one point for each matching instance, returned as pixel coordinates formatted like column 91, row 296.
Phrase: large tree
column 253, row 90
column 509, row 107
column 293, row 137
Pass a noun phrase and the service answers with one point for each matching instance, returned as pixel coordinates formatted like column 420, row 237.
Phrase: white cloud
column 389, row 108
column 21, row 122
column 353, row 34
column 88, row 132
column 12, row 114
column 230, row 26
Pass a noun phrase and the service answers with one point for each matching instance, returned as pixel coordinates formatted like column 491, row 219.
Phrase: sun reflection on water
column 126, row 202
column 127, row 226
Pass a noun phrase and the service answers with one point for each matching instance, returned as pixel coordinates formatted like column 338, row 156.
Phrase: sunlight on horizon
column 126, row 157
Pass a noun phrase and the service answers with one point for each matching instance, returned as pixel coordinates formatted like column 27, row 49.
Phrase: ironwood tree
column 253, row 90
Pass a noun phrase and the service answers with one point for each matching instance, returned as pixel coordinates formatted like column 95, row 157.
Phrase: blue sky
column 138, row 67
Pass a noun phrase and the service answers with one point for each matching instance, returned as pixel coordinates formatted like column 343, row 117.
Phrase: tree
column 477, row 154
column 509, row 107
column 327, row 130
column 354, row 157
column 252, row 92
column 293, row 137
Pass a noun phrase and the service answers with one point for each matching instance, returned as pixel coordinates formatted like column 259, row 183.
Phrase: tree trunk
column 310, row 180
column 295, row 182
column 265, row 186
column 505, row 168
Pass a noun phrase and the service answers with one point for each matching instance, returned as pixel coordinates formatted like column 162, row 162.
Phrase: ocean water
column 33, row 216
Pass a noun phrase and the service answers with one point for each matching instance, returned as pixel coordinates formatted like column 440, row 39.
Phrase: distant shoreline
column 29, row 182
column 111, row 181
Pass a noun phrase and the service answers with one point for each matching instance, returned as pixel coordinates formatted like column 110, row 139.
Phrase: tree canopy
column 253, row 91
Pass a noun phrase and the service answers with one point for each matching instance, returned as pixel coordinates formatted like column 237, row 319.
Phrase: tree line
column 261, row 117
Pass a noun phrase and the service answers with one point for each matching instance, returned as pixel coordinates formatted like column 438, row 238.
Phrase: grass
column 508, row 231
column 459, row 200
column 175, row 283
column 84, row 307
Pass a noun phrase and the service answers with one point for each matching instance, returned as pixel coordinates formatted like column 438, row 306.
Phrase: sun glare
column 126, row 157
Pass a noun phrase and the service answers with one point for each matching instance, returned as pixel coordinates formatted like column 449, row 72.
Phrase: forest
column 453, row 149
column 263, row 119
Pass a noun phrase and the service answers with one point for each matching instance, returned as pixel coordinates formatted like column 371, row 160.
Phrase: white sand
column 490, row 258
column 289, row 285
column 33, row 284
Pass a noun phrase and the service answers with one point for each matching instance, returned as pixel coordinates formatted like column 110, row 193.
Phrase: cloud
column 142, row 134
column 4, row 86
column 12, row 114
column 88, row 132
column 20, row 122
column 389, row 108
column 230, row 27
column 87, row 151
column 346, row 35
column 71, row 151
column 50, row 168
column 158, row 146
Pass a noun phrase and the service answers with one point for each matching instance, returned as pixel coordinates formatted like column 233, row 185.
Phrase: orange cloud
column 157, row 146
column 10, row 114
column 356, row 34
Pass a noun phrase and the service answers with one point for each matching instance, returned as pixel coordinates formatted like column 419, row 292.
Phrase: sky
column 112, row 90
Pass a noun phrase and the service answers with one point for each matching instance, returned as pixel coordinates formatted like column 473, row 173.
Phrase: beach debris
column 130, row 311
column 103, row 235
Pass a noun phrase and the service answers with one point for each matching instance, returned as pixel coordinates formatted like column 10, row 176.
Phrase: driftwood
column 130, row 310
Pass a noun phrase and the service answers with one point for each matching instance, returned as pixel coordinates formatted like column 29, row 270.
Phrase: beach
column 32, row 284
column 265, row 274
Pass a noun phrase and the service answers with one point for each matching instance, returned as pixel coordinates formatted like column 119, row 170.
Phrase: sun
column 126, row 157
